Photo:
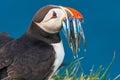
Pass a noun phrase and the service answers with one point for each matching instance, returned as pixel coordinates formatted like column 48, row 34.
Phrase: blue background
column 102, row 27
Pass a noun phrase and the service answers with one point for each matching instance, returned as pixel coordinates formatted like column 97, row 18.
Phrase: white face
column 52, row 22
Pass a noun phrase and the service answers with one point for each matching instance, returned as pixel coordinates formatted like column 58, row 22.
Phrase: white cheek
column 54, row 24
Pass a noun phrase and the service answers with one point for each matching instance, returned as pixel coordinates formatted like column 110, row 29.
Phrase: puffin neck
column 37, row 33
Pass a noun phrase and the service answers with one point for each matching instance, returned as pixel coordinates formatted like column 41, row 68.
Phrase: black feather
column 4, row 39
column 28, row 58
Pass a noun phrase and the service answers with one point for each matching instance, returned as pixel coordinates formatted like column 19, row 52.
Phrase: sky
column 101, row 27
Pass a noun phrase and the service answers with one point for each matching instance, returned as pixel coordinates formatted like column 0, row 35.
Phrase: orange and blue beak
column 73, row 30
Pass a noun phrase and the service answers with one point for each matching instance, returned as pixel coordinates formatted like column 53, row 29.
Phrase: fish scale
column 74, row 33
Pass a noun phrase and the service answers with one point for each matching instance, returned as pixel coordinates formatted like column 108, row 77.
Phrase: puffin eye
column 54, row 15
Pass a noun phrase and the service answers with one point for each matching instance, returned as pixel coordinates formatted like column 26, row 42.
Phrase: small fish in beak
column 73, row 30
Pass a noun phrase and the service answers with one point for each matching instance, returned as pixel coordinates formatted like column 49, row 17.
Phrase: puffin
column 39, row 52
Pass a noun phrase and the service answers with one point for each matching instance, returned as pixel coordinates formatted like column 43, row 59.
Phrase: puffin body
column 31, row 57
column 4, row 39
column 39, row 52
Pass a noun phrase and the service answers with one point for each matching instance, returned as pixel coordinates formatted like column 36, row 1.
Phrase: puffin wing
column 4, row 38
column 31, row 63
column 5, row 61
column 41, row 61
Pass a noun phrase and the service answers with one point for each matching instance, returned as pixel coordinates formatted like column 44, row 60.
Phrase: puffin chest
column 59, row 55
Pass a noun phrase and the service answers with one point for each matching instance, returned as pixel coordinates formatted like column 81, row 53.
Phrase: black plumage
column 4, row 39
column 29, row 57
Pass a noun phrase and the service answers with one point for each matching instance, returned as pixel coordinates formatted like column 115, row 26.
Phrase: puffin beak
column 73, row 30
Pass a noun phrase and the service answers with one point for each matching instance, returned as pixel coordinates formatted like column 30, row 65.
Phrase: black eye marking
column 54, row 15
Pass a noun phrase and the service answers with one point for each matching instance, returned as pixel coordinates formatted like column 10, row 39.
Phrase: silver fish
column 74, row 32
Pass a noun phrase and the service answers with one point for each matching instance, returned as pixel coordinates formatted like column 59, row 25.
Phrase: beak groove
column 74, row 32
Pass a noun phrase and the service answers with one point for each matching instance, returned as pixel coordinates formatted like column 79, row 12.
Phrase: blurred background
column 101, row 27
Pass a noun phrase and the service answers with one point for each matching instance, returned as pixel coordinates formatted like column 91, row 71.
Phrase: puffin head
column 52, row 22
column 53, row 18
